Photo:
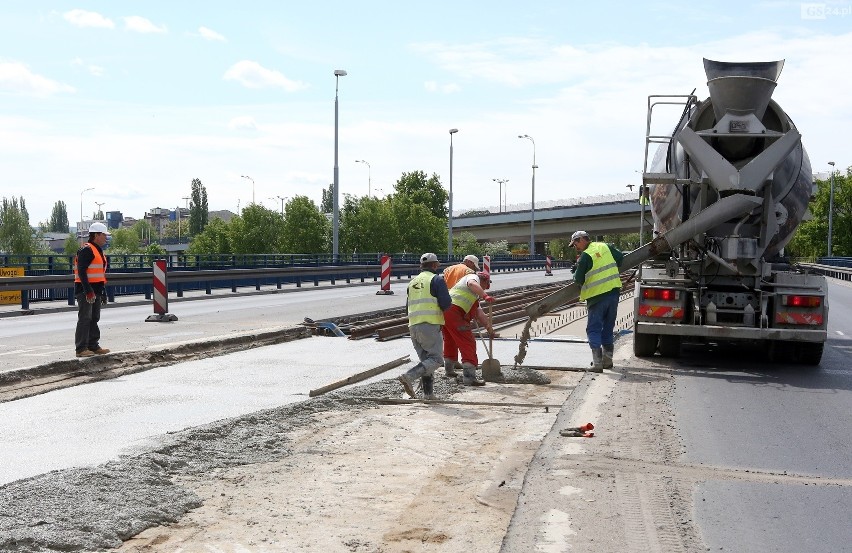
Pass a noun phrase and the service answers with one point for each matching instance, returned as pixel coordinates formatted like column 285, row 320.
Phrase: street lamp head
column 831, row 163
column 453, row 131
column 339, row 73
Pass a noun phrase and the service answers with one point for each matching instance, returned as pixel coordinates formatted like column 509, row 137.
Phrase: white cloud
column 253, row 75
column 432, row 86
column 140, row 24
column 94, row 70
column 83, row 18
column 17, row 77
column 210, row 34
column 243, row 123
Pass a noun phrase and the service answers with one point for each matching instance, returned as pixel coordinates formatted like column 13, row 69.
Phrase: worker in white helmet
column 90, row 268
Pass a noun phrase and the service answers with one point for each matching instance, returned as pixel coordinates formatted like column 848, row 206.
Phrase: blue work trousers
column 601, row 320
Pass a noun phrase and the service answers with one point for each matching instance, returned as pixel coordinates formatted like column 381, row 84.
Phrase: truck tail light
column 801, row 301
column 664, row 294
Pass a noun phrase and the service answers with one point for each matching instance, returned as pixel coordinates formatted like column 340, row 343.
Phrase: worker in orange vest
column 90, row 267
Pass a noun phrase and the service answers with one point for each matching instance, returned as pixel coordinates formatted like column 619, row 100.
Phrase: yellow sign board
column 10, row 296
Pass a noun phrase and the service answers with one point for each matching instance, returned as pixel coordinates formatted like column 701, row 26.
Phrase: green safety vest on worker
column 462, row 295
column 422, row 305
column 603, row 276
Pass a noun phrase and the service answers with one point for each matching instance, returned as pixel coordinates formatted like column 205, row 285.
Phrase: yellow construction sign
column 10, row 296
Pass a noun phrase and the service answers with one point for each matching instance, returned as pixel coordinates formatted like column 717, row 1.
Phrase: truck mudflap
column 732, row 332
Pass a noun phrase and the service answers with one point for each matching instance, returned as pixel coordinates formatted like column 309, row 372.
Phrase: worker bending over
column 457, row 331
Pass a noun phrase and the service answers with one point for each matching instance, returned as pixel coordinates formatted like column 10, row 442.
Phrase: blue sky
column 135, row 99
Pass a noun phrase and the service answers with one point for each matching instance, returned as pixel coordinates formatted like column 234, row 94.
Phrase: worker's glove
column 90, row 297
column 488, row 299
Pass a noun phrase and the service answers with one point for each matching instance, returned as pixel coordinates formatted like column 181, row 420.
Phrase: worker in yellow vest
column 428, row 298
column 600, row 286
column 90, row 267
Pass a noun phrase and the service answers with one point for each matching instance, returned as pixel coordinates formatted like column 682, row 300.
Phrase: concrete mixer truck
column 727, row 189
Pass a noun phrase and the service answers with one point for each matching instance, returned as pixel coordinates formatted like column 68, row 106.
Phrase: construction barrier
column 486, row 265
column 386, row 276
column 548, row 264
column 161, row 295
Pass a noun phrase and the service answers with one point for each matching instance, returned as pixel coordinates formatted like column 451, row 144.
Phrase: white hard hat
column 577, row 235
column 428, row 258
column 97, row 227
column 473, row 259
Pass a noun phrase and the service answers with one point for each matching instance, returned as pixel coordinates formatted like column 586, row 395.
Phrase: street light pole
column 450, row 220
column 81, row 208
column 532, row 205
column 252, row 186
column 369, row 170
column 335, row 226
column 501, row 182
column 186, row 200
column 830, row 208
column 282, row 198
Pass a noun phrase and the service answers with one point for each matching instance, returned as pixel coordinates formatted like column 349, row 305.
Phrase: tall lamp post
column 282, row 198
column 81, row 207
column 186, row 201
column 335, row 225
column 501, row 182
column 450, row 220
column 252, row 186
column 830, row 208
column 532, row 205
column 369, row 178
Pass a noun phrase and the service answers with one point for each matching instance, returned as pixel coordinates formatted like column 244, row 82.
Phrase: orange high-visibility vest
column 454, row 273
column 96, row 271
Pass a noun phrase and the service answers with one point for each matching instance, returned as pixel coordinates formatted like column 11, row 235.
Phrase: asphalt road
column 736, row 410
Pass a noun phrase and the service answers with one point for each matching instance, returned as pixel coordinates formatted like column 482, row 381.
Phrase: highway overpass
column 610, row 214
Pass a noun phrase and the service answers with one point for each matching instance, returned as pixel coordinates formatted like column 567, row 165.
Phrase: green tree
column 365, row 225
column 258, row 230
column 214, row 239
column 59, row 218
column 198, row 211
column 144, row 231
column 427, row 192
column 124, row 240
column 416, row 227
column 811, row 238
column 467, row 244
column 16, row 234
column 305, row 228
column 559, row 248
column 327, row 204
column 499, row 248
column 71, row 245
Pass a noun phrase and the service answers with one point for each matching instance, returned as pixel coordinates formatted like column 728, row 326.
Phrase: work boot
column 597, row 361
column 469, row 376
column 407, row 384
column 607, row 356
column 450, row 368
column 85, row 353
column 428, row 383
column 100, row 351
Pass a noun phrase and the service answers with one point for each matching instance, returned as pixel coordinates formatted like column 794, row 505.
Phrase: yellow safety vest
column 422, row 305
column 463, row 296
column 603, row 276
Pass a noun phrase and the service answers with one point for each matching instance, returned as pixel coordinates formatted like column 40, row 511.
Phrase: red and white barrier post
column 386, row 276
column 486, row 265
column 548, row 264
column 161, row 295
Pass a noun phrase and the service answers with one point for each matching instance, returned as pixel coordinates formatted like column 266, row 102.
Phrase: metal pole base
column 384, row 293
column 161, row 318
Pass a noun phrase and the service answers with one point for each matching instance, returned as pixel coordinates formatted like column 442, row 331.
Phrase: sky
column 134, row 100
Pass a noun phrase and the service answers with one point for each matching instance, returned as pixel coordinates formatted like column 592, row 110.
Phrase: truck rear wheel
column 669, row 346
column 810, row 353
column 644, row 345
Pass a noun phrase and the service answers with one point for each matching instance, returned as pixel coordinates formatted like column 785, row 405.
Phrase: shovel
column 490, row 367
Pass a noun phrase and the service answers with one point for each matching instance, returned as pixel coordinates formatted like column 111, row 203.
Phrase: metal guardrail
column 62, row 286
column 841, row 273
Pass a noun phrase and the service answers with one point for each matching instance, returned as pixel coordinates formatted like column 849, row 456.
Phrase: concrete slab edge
column 539, row 481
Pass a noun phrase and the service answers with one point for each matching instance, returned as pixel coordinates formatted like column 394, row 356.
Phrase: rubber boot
column 607, row 356
column 409, row 377
column 450, row 368
column 597, row 361
column 428, row 382
column 469, row 376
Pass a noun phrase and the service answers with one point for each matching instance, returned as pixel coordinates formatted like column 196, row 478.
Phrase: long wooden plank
column 360, row 376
